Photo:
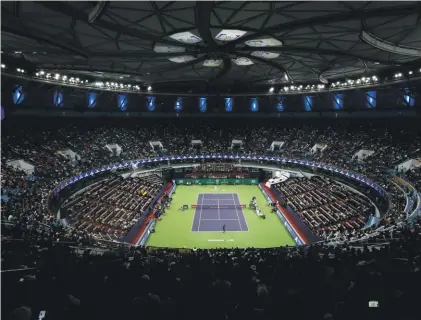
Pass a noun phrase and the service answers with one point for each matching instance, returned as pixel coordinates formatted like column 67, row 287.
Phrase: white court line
column 192, row 224
column 244, row 216
column 236, row 211
column 220, row 240
column 219, row 219
column 219, row 231
column 238, row 218
column 200, row 215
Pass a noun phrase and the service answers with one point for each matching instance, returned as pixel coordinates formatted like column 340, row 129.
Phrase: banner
column 213, row 181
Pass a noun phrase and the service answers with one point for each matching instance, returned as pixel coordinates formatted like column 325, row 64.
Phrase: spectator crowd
column 109, row 209
column 326, row 206
column 58, row 270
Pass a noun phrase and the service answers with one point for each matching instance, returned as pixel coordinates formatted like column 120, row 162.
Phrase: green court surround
column 174, row 230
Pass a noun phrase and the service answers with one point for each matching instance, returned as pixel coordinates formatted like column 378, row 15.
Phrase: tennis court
column 174, row 229
column 213, row 211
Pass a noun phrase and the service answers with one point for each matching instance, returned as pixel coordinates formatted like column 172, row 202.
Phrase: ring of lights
column 338, row 86
column 305, row 163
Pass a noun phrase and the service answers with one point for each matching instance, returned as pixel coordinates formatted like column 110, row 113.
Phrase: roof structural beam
column 331, row 18
column 316, row 50
column 158, row 13
column 226, row 68
column 202, row 17
column 69, row 10
column 140, row 54
column 97, row 11
column 268, row 62
column 16, row 8
column 381, row 44
column 9, row 23
column 172, row 67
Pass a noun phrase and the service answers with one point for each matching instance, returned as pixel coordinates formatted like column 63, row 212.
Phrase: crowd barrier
column 145, row 236
column 214, row 181
column 293, row 233
column 174, row 185
column 413, row 198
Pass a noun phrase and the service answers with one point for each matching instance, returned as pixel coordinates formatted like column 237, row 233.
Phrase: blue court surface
column 225, row 210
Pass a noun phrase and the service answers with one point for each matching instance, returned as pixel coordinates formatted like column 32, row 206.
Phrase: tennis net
column 216, row 206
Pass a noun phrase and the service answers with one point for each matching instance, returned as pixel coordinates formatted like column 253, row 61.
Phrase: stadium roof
column 194, row 45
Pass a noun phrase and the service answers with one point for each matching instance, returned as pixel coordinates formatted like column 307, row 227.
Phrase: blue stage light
column 150, row 100
column 338, row 101
column 58, row 98
column 228, row 104
column 203, row 104
column 308, row 103
column 254, row 105
column 18, row 95
column 122, row 102
column 91, row 100
column 178, row 104
column 371, row 99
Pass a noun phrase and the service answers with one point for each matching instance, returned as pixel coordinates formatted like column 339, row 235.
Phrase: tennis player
column 223, row 228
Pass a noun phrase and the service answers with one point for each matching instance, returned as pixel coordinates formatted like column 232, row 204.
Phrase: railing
column 413, row 198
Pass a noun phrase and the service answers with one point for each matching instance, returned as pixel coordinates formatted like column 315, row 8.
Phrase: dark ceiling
column 131, row 41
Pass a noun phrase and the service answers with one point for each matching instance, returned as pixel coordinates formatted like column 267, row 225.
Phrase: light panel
column 230, row 35
column 265, row 54
column 186, row 37
column 242, row 61
column 18, row 95
column 371, row 99
column 150, row 100
column 228, row 104
column 212, row 63
column 260, row 43
column 182, row 59
column 203, row 104
column 254, row 105
column 338, row 101
column 91, row 100
column 58, row 98
column 178, row 104
column 167, row 49
column 409, row 99
column 280, row 104
column 122, row 102
column 308, row 103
